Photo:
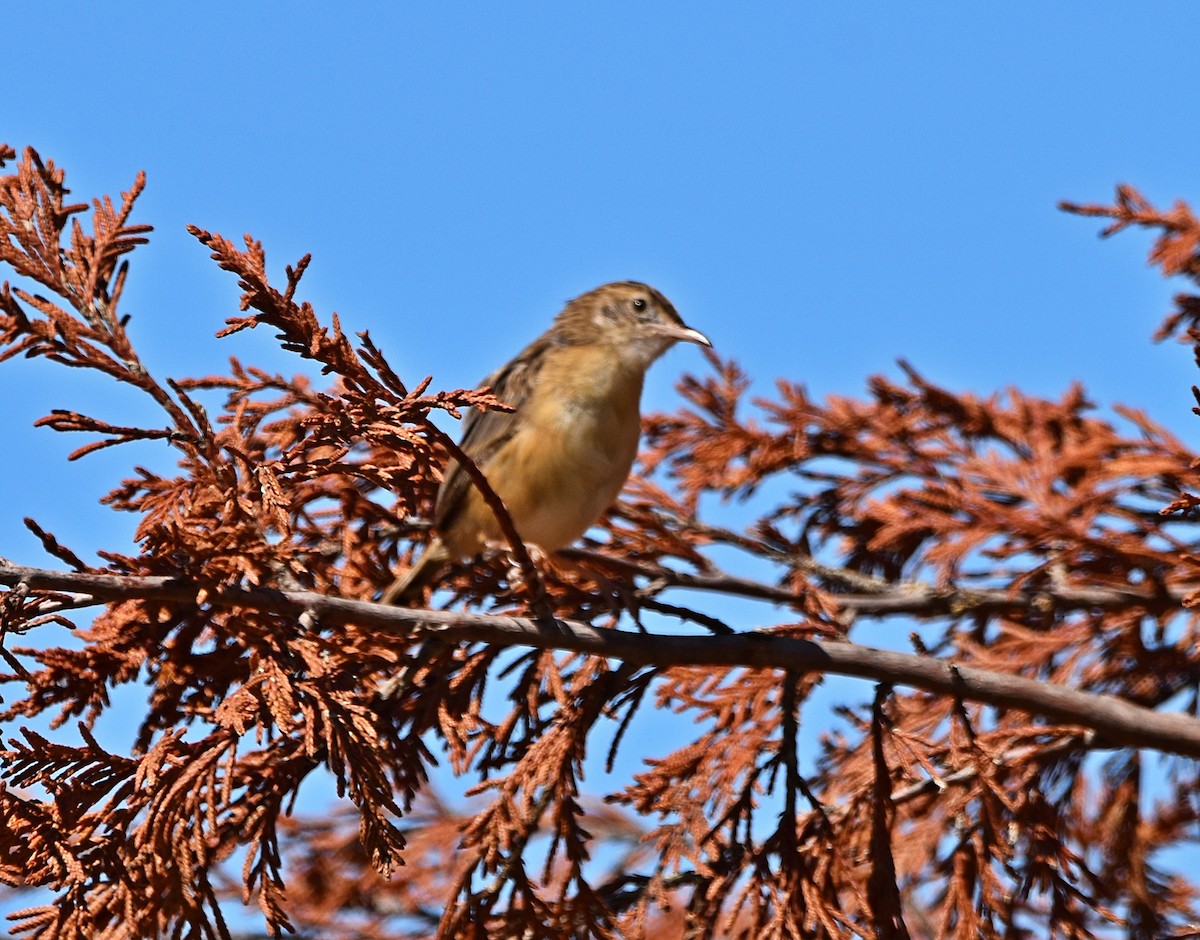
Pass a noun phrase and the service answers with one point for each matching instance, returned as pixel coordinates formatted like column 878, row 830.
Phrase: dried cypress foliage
column 1026, row 769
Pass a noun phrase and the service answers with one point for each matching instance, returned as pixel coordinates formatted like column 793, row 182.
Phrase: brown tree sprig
column 1019, row 539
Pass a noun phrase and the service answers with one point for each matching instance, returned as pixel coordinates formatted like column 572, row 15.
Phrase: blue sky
column 821, row 188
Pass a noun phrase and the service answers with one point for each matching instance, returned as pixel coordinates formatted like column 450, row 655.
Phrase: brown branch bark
column 1117, row 721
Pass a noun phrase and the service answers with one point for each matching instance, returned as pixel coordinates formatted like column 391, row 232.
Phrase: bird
column 561, row 456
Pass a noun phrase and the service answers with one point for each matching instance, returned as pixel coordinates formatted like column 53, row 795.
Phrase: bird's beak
column 684, row 334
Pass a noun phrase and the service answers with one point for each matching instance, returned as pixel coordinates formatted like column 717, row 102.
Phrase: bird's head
column 637, row 321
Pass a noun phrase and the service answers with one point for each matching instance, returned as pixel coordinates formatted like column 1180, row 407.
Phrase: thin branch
column 913, row 597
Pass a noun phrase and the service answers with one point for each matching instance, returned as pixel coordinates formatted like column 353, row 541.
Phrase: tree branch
column 1119, row 721
column 909, row 597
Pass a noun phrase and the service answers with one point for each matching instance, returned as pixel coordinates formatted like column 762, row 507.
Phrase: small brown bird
column 560, row 458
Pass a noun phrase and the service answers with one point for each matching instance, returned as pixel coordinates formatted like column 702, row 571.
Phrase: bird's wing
column 486, row 432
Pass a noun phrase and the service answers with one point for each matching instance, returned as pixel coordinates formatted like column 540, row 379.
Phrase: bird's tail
column 408, row 586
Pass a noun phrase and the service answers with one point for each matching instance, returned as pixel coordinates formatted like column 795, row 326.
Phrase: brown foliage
column 1041, row 556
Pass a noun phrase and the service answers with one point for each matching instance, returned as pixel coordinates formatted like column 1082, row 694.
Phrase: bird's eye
column 639, row 303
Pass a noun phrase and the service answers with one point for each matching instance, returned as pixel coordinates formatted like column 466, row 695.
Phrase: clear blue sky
column 821, row 188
